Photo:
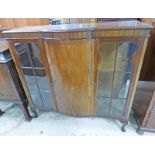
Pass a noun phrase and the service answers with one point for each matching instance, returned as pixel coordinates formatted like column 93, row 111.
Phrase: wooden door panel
column 70, row 67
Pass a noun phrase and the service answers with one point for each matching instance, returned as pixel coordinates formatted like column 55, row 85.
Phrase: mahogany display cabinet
column 144, row 106
column 81, row 69
column 11, row 89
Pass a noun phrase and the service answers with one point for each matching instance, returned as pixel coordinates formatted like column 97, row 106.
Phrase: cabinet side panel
column 135, row 74
column 142, row 100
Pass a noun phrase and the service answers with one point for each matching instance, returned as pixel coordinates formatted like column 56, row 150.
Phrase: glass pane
column 21, row 48
column 47, row 98
column 107, row 54
column 125, row 52
column 120, row 85
column 123, row 65
column 35, row 55
column 102, row 106
column 44, row 87
column 117, row 107
column 24, row 60
column 34, row 73
column 114, row 72
column 104, row 85
column 32, row 86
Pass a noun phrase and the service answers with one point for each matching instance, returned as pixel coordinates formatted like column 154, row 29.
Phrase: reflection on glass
column 123, row 65
column 104, row 83
column 121, row 85
column 117, row 107
column 107, row 54
column 34, row 73
column 35, row 56
column 47, row 98
column 102, row 105
column 44, row 87
column 126, row 49
column 32, row 86
column 24, row 60
column 125, row 52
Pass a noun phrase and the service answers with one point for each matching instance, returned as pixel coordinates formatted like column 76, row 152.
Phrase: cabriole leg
column 33, row 109
column 124, row 124
column 35, row 115
column 139, row 131
column 25, row 110
column 1, row 112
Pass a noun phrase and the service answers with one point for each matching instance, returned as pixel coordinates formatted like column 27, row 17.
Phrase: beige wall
column 19, row 22
column 147, row 20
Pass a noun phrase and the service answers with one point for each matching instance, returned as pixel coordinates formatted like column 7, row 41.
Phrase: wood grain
column 72, row 61
column 147, row 72
column 69, row 67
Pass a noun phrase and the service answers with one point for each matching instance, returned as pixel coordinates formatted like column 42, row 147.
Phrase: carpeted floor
column 55, row 124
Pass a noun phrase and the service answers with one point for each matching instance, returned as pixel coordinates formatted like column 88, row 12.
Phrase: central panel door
column 70, row 66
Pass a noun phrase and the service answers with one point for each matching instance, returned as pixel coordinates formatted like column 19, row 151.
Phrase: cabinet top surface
column 81, row 27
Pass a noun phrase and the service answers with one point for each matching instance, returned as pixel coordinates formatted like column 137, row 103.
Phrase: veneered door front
column 70, row 66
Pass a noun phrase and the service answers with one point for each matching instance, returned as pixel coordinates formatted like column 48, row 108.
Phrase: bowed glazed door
column 31, row 61
column 116, row 69
column 70, row 66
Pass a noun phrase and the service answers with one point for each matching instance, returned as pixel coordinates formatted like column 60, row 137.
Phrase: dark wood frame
column 13, row 83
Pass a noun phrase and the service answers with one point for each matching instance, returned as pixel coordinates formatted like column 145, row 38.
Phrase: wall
column 19, row 22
